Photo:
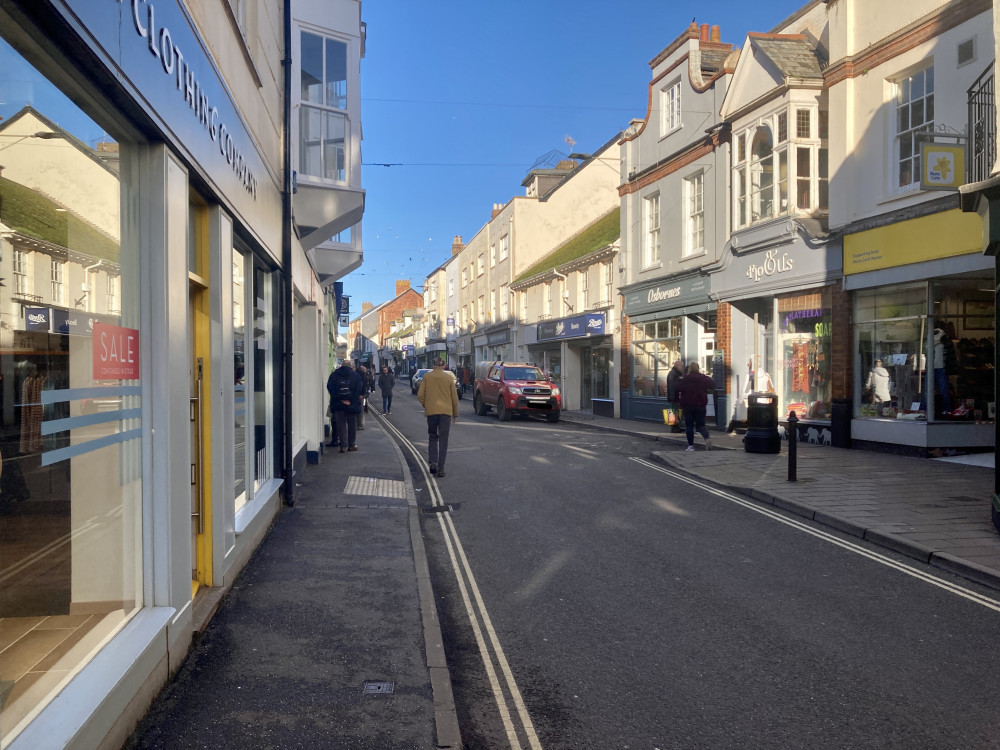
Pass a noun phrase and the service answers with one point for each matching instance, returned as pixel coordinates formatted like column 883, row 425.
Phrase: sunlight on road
column 669, row 507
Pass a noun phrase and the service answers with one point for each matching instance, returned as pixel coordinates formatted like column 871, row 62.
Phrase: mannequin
column 878, row 383
column 940, row 371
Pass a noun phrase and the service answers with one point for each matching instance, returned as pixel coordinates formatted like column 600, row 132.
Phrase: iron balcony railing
column 982, row 127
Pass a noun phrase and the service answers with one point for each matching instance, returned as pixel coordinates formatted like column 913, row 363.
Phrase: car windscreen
column 523, row 373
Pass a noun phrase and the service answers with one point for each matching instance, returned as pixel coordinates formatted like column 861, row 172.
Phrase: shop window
column 891, row 332
column 265, row 370
column 241, row 303
column 70, row 422
column 802, row 375
column 963, row 349
column 655, row 347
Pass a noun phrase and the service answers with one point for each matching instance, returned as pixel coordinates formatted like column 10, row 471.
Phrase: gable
column 755, row 76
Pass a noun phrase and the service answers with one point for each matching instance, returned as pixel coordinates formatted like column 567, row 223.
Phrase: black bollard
column 793, row 445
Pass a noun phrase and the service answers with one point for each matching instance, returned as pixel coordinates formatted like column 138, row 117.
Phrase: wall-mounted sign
column 37, row 319
column 940, row 235
column 116, row 352
column 498, row 337
column 942, row 166
column 591, row 324
column 670, row 294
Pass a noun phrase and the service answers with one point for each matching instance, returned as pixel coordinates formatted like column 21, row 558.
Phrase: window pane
column 903, row 118
column 312, row 68
column 336, row 74
column 71, row 486
column 803, row 124
column 917, row 113
column 240, row 376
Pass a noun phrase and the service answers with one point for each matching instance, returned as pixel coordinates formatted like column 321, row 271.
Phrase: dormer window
column 670, row 107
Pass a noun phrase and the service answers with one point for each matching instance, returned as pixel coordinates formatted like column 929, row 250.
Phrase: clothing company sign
column 182, row 76
column 53, row 320
column 591, row 324
column 677, row 293
column 771, row 265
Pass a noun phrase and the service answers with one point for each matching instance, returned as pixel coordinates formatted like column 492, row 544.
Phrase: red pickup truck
column 515, row 388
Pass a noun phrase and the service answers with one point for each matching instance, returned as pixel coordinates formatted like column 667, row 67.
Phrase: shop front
column 924, row 336
column 497, row 345
column 669, row 320
column 140, row 358
column 779, row 294
column 577, row 353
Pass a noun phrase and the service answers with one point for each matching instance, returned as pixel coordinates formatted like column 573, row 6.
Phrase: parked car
column 415, row 379
column 419, row 375
column 515, row 388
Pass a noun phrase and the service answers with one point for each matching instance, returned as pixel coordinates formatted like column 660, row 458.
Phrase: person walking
column 693, row 390
column 346, row 388
column 439, row 397
column 675, row 374
column 386, row 382
column 366, row 378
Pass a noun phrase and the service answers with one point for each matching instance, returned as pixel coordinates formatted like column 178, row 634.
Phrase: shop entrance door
column 199, row 342
column 595, row 371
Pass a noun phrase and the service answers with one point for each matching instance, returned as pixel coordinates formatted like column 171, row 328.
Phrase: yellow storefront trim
column 943, row 235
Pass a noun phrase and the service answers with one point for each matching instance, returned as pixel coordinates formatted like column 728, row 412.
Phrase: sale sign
column 116, row 352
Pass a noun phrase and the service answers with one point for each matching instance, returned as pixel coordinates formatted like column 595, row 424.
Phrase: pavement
column 330, row 637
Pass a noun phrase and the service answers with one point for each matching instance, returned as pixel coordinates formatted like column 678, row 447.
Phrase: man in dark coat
column 693, row 390
column 386, row 382
column 346, row 390
column 675, row 374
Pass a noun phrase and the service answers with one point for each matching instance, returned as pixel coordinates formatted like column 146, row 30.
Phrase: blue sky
column 463, row 97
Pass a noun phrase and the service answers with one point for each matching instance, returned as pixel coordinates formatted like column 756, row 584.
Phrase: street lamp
column 45, row 135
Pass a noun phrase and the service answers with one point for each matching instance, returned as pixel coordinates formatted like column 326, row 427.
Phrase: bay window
column 323, row 115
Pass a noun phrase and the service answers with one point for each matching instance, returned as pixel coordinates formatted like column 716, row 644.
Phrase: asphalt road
column 636, row 610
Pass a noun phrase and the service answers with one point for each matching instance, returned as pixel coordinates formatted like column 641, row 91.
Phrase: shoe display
column 689, row 449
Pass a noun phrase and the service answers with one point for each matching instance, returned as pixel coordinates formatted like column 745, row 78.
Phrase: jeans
column 347, row 428
column 694, row 419
column 386, row 401
column 438, row 427
column 941, row 382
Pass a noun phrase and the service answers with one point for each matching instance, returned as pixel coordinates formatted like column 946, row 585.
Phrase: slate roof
column 793, row 56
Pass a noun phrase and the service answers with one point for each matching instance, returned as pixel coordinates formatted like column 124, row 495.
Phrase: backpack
column 343, row 389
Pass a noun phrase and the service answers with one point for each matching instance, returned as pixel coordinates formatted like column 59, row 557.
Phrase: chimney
column 456, row 245
column 497, row 208
column 366, row 307
column 704, row 32
column 716, row 34
column 401, row 286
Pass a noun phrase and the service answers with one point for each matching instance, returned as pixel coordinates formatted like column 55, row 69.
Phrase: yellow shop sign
column 941, row 235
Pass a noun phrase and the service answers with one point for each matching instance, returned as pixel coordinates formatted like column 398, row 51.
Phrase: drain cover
column 378, row 688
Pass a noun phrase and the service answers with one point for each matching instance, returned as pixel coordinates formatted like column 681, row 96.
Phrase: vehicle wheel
column 503, row 413
column 552, row 416
column 478, row 405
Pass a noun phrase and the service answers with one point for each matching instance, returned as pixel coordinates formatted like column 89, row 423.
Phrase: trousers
column 438, row 428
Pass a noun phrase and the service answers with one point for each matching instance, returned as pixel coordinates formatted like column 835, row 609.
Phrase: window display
column 926, row 356
column 655, row 347
column 803, row 371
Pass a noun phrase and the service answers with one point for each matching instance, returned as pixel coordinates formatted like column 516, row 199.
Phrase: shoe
column 353, row 448
column 689, row 449
column 343, row 449
column 332, row 445
column 708, row 444
column 433, row 468
column 440, row 473
column 361, row 427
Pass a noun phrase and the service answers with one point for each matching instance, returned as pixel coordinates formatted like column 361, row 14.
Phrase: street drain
column 437, row 509
column 378, row 688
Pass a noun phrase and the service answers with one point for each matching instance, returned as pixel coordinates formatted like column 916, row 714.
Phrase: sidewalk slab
column 330, row 636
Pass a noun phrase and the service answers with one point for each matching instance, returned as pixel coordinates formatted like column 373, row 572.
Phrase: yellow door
column 198, row 336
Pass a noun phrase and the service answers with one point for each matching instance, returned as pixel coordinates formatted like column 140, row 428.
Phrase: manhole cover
column 378, row 688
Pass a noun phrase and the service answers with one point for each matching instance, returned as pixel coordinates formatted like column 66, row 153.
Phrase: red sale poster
column 116, row 352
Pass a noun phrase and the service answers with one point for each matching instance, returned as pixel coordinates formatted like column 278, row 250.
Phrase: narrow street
column 628, row 608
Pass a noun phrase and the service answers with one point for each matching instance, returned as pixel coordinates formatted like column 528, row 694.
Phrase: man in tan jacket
column 439, row 397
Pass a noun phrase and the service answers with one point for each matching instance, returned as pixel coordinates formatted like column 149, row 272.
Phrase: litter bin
column 840, row 423
column 762, row 424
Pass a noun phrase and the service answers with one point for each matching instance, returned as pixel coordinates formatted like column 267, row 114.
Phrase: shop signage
column 942, row 166
column 153, row 48
column 37, row 319
column 772, row 264
column 591, row 324
column 941, row 235
column 498, row 337
column 667, row 295
column 116, row 352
